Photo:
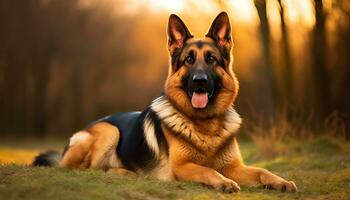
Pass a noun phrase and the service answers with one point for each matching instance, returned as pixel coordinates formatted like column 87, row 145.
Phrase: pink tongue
column 199, row 100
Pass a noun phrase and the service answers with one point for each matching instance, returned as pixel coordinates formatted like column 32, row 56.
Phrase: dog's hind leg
column 104, row 155
column 94, row 148
column 78, row 154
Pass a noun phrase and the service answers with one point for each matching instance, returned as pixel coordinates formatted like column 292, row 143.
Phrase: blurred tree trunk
column 270, row 89
column 12, row 78
column 77, row 95
column 341, row 95
column 321, row 79
column 41, row 82
column 2, row 88
column 12, row 95
column 287, row 92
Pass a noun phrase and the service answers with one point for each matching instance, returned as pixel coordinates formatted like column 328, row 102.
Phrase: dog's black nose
column 201, row 78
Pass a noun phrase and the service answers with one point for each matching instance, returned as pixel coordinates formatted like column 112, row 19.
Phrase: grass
column 320, row 167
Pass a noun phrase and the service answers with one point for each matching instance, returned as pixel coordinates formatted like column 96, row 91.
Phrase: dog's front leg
column 192, row 172
column 254, row 176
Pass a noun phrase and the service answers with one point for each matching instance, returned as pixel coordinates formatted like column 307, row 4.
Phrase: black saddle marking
column 133, row 149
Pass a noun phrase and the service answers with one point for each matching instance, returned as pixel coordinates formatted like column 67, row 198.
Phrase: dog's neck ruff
column 179, row 123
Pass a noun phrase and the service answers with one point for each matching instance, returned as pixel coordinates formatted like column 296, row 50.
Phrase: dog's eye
column 210, row 59
column 189, row 60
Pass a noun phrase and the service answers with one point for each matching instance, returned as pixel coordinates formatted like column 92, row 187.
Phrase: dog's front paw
column 282, row 185
column 227, row 186
column 272, row 181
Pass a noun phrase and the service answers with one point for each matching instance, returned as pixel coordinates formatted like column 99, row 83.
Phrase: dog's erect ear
column 177, row 33
column 220, row 31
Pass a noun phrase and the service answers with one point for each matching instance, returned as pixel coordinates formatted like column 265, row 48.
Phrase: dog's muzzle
column 200, row 90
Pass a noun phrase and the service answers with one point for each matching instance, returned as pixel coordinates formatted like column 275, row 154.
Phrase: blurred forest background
column 64, row 63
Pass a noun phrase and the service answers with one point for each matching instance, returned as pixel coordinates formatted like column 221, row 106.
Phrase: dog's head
column 200, row 82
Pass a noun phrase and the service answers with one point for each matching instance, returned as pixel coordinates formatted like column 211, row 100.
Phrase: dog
column 188, row 133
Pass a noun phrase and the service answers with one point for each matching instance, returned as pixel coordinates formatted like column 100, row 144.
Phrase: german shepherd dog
column 188, row 133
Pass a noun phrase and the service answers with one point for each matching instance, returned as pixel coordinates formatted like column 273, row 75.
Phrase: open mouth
column 200, row 98
column 200, row 88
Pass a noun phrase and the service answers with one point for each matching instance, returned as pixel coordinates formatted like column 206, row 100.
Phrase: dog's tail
column 47, row 159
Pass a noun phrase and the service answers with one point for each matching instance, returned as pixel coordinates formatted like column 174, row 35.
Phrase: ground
column 320, row 167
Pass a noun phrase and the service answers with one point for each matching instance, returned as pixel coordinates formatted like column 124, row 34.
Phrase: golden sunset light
column 168, row 5
column 149, row 99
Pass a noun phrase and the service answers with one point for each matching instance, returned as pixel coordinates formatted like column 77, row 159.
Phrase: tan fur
column 253, row 176
column 203, row 161
column 163, row 170
column 190, row 164
column 97, row 151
